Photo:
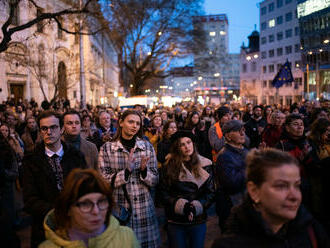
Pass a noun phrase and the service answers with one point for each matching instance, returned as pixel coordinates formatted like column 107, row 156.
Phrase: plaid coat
column 113, row 158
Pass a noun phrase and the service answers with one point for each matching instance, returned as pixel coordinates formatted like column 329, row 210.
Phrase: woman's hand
column 144, row 162
column 131, row 160
column 191, row 217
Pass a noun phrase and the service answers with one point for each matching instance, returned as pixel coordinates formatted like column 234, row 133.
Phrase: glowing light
column 212, row 33
column 200, row 78
column 255, row 56
column 217, row 74
column 131, row 85
column 310, row 53
column 248, row 58
column 160, row 33
column 115, row 94
column 222, row 33
column 326, row 41
column 149, row 53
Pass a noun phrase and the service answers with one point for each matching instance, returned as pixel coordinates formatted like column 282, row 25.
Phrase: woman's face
column 208, row 111
column 91, row 221
column 295, row 128
column 186, row 146
column 195, row 119
column 325, row 137
column 172, row 128
column 164, row 116
column 86, row 122
column 322, row 114
column 279, row 196
column 268, row 111
column 5, row 131
column 157, row 121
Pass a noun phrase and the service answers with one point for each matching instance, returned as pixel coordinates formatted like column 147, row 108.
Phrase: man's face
column 31, row 124
column 11, row 120
column 105, row 120
column 257, row 112
column 72, row 125
column 50, row 130
column 236, row 137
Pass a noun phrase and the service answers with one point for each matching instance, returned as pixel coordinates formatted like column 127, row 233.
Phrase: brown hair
column 319, row 127
column 258, row 162
column 174, row 164
column 71, row 193
column 166, row 127
column 122, row 118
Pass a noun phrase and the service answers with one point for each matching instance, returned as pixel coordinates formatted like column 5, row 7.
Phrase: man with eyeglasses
column 230, row 169
column 45, row 170
column 71, row 136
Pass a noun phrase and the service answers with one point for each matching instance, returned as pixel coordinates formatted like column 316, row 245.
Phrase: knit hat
column 223, row 110
column 181, row 134
column 233, row 125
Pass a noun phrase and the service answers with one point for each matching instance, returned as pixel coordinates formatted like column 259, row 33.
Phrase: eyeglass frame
column 52, row 128
column 91, row 207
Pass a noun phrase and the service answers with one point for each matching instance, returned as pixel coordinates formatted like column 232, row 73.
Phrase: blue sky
column 242, row 15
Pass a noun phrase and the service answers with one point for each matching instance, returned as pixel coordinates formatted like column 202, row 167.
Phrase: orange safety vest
column 219, row 133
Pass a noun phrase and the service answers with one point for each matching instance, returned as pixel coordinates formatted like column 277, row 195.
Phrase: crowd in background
column 182, row 158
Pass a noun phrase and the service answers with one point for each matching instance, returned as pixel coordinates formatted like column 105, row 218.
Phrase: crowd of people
column 95, row 177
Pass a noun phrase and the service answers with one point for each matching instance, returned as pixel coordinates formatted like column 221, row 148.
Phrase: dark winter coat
column 163, row 148
column 246, row 228
column 271, row 135
column 251, row 130
column 39, row 184
column 187, row 188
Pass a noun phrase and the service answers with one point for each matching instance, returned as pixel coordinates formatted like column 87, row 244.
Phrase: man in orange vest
column 216, row 138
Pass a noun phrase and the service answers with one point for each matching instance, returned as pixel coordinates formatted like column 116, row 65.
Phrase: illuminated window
column 222, row 33
column 271, row 23
column 212, row 33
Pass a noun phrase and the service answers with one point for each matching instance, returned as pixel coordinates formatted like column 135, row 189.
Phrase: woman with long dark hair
column 163, row 147
column 186, row 190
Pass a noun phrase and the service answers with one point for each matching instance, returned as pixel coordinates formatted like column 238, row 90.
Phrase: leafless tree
column 86, row 12
column 149, row 34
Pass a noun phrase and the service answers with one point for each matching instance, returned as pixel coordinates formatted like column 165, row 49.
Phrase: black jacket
column 246, row 228
column 39, row 184
column 188, row 190
column 251, row 130
column 163, row 148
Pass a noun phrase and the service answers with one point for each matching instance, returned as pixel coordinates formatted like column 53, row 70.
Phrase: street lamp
column 200, row 78
column 217, row 74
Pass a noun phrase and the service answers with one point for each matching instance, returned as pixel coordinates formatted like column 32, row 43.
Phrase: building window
column 263, row 26
column 264, row 84
column 288, row 49
column 288, row 17
column 279, row 51
column 40, row 25
column 271, row 68
column 296, row 48
column 279, row 3
column 271, row 23
column 288, row 33
column 253, row 66
column 263, row 40
column 279, row 66
column 264, row 69
column 244, row 68
column 279, row 35
column 263, row 10
column 270, row 84
column 279, row 20
column 271, row 53
column 263, row 55
column 296, row 31
column 271, row 7
column 271, row 38
column 212, row 33
column 288, row 1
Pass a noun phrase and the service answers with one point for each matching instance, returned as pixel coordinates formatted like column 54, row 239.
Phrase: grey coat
column 90, row 152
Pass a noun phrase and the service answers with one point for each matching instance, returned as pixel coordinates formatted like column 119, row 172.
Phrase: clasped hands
column 131, row 161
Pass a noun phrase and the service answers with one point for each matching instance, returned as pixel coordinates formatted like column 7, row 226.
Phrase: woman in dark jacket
column 163, row 147
column 186, row 189
column 271, row 215
column 318, row 171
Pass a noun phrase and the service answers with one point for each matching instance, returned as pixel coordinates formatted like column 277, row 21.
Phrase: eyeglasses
column 87, row 206
column 52, row 128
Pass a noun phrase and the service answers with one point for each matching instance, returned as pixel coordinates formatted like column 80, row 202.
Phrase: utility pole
column 81, row 59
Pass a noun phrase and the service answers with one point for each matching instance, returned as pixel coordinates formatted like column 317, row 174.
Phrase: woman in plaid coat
column 134, row 163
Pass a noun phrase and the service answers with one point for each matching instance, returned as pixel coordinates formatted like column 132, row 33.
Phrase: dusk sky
column 242, row 15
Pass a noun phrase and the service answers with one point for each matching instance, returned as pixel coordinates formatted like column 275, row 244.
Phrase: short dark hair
column 258, row 106
column 71, row 112
column 88, row 179
column 258, row 162
column 49, row 113
column 292, row 117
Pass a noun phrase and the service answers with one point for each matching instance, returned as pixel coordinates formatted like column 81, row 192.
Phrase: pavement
column 212, row 231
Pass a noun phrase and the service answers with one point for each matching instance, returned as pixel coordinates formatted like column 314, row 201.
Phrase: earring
column 256, row 201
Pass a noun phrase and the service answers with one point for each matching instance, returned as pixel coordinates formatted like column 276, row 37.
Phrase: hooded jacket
column 114, row 236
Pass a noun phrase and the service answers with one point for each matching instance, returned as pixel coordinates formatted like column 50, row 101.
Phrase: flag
column 284, row 75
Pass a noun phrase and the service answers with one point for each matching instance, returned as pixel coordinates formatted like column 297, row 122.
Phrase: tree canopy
column 149, row 34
